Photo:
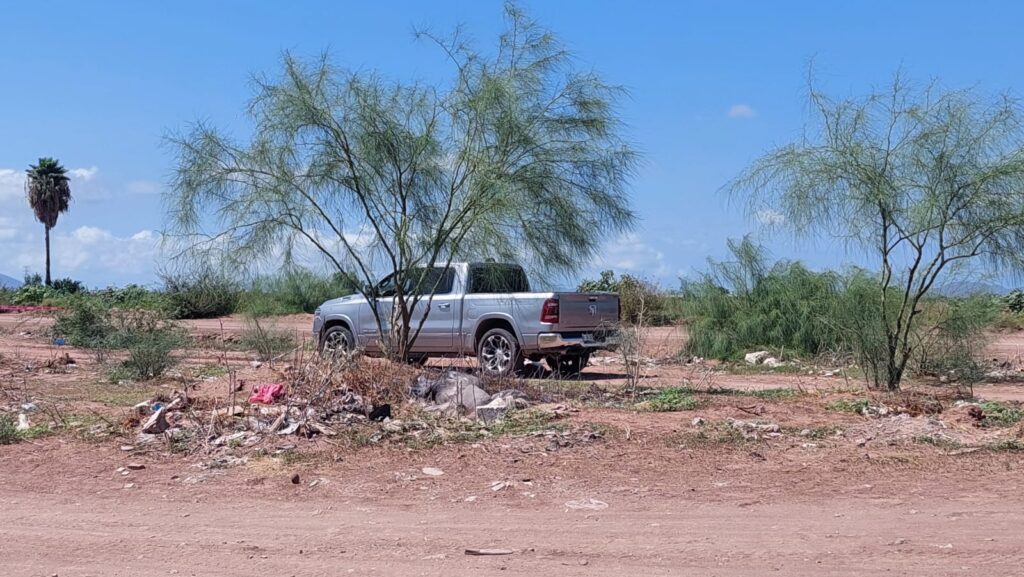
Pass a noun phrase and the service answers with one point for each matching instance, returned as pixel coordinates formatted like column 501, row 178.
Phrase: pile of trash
column 321, row 410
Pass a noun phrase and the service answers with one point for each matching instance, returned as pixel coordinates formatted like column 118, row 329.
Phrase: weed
column 8, row 429
column 713, row 434
column 1007, row 445
column 200, row 295
column 940, row 442
column 207, row 371
column 847, row 405
column 266, row 339
column 1000, row 414
column 819, row 432
column 671, row 399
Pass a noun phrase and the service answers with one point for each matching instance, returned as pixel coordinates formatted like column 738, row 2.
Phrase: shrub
column 67, row 286
column 148, row 337
column 847, row 405
column 745, row 304
column 32, row 294
column 84, row 324
column 1014, row 301
column 1001, row 414
column 201, row 295
column 640, row 301
column 296, row 291
column 8, row 429
column 266, row 340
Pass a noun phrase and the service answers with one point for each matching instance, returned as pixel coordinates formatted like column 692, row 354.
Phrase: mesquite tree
column 929, row 183
column 520, row 158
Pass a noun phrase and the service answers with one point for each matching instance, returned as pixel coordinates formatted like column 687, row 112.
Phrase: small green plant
column 266, row 340
column 1007, row 445
column 1000, row 414
column 671, row 399
column 847, row 405
column 8, row 429
column 937, row 441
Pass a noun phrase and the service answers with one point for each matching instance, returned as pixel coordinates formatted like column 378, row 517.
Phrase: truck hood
column 342, row 300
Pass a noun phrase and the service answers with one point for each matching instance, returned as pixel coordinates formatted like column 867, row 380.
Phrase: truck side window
column 497, row 279
column 444, row 278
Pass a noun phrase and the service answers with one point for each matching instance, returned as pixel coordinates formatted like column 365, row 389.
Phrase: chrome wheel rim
column 496, row 354
column 336, row 342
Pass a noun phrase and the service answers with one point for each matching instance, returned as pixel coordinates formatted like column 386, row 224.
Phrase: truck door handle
column 444, row 306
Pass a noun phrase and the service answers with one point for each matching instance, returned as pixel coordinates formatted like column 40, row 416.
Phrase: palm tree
column 48, row 194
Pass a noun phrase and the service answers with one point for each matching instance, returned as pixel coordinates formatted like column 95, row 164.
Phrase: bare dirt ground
column 655, row 500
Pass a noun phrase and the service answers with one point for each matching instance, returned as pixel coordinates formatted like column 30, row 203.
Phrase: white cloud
column 85, row 174
column 631, row 254
column 741, row 111
column 12, row 184
column 94, row 255
column 770, row 217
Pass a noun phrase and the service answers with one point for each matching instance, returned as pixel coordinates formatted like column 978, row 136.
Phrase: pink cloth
column 267, row 393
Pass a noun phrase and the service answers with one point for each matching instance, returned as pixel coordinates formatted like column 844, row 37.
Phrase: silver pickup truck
column 481, row 309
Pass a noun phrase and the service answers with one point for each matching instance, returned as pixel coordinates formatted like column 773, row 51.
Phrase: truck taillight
column 549, row 312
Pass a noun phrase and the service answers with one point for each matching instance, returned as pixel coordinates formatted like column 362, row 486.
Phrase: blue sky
column 712, row 85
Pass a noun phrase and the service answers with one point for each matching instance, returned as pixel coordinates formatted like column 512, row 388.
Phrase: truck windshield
column 497, row 278
column 422, row 280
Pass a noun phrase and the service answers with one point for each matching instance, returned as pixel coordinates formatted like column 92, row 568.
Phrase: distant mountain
column 8, row 282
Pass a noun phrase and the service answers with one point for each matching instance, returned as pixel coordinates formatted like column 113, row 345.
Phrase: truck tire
column 568, row 365
column 498, row 353
column 337, row 340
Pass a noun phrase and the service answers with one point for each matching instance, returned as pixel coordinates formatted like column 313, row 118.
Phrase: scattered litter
column 267, row 393
column 135, row 466
column 23, row 423
column 587, row 505
column 432, row 471
column 489, row 551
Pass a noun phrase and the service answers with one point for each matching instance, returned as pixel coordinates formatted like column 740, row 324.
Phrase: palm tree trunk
column 47, row 256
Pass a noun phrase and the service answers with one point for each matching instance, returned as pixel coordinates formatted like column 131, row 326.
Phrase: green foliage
column 200, row 295
column 745, row 304
column 847, row 405
column 671, row 399
column 928, row 182
column 640, row 301
column 268, row 341
column 8, row 429
column 32, row 279
column 84, row 323
column 999, row 414
column 1014, row 301
column 67, row 286
column 296, row 291
column 148, row 338
column 32, row 295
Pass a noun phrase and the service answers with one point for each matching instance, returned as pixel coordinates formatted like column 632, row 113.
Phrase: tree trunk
column 47, row 256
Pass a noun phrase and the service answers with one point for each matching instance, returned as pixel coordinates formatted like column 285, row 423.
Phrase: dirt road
column 65, row 515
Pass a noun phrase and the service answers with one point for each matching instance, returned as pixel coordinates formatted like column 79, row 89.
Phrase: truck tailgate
column 587, row 311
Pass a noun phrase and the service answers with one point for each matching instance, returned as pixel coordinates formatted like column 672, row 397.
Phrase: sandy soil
column 661, row 506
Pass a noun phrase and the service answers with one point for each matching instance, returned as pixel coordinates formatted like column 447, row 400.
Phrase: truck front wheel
column 498, row 353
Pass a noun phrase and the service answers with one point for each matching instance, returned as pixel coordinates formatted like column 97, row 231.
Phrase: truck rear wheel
column 498, row 353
